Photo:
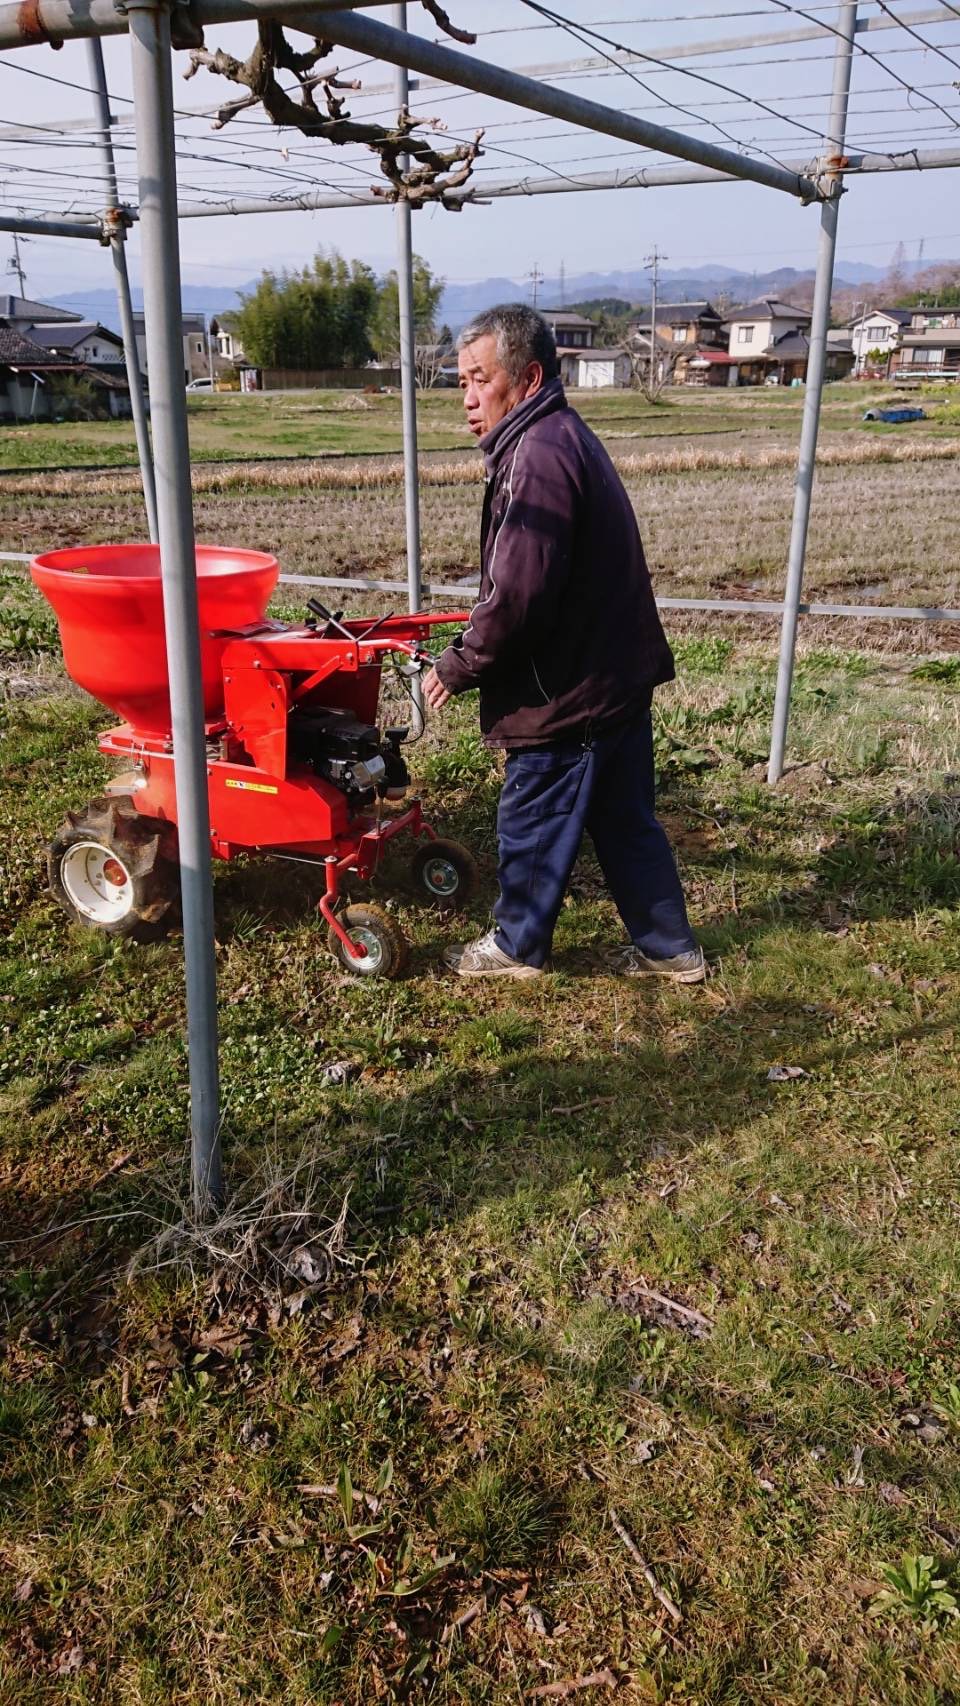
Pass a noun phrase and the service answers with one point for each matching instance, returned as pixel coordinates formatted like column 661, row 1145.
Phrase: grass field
column 323, row 423
column 592, row 1333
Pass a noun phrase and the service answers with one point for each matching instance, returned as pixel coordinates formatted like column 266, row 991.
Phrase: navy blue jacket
column 565, row 638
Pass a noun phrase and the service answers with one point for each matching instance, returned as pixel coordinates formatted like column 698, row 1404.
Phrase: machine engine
column 350, row 754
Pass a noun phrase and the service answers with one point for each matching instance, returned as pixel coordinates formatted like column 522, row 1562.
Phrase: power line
column 675, row 18
column 585, row 35
column 929, row 46
column 878, row 59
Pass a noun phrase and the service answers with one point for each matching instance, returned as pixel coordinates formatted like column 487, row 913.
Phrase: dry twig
column 573, row 1685
column 670, row 1606
column 464, row 1620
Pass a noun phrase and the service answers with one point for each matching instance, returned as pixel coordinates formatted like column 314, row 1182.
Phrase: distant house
column 691, row 333
column 42, row 349
column 26, row 372
column 228, row 349
column 85, row 341
column 594, row 369
column 876, row 336
column 841, row 357
column 196, row 361
column 768, row 340
column 687, row 323
column 35, row 381
column 572, row 331
column 930, row 345
column 20, row 311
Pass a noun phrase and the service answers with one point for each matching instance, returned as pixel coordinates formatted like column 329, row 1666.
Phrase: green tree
column 427, row 291
column 320, row 317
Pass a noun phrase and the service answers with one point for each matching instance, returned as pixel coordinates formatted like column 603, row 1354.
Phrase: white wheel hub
column 373, row 958
column 441, row 876
column 96, row 882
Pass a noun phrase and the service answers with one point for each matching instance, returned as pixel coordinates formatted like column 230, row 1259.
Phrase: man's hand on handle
column 434, row 691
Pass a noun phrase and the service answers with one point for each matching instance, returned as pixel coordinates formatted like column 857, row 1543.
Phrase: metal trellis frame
column 149, row 26
column 813, row 395
column 116, row 237
column 408, row 355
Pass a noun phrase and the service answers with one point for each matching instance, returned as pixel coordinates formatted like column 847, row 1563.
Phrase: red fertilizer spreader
column 296, row 764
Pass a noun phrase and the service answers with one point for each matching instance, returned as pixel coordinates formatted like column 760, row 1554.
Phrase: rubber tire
column 393, row 943
column 147, row 848
column 463, row 863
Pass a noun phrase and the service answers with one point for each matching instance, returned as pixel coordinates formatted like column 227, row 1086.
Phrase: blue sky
column 737, row 224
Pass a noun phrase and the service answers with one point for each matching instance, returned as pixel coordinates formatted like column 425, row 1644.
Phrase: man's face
column 488, row 391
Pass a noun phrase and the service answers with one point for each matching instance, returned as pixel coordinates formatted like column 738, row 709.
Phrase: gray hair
column 522, row 336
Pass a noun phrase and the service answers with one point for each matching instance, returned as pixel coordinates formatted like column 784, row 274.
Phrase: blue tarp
column 895, row 416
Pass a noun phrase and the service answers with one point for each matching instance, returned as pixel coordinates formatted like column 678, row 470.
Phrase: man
column 566, row 647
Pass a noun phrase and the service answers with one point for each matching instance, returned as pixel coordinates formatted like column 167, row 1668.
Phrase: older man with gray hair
column 566, row 647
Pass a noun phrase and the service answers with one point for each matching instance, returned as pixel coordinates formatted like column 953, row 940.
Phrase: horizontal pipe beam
column 55, row 20
column 51, row 227
column 652, row 59
column 563, row 68
column 641, row 177
column 31, row 22
column 735, row 606
column 397, row 47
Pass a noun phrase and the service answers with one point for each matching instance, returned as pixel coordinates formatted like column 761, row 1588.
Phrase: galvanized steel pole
column 408, row 359
column 25, row 23
column 156, row 165
column 51, row 227
column 816, row 367
column 353, row 29
column 101, row 102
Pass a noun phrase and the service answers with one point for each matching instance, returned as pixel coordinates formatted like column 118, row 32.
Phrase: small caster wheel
column 373, row 929
column 113, row 870
column 446, row 874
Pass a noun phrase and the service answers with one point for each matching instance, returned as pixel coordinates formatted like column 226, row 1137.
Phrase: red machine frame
column 263, row 799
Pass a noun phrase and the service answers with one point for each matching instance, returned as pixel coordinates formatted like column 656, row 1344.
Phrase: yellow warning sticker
column 251, row 787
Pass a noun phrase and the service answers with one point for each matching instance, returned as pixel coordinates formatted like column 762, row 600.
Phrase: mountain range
column 460, row 300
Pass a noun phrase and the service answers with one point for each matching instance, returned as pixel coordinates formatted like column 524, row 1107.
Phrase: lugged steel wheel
column 113, row 870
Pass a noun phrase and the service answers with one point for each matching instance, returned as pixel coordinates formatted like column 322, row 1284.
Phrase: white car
column 200, row 385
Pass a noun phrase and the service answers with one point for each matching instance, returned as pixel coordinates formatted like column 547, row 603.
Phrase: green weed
column 466, row 760
column 944, row 671
column 916, row 1591
column 702, row 654
column 27, row 623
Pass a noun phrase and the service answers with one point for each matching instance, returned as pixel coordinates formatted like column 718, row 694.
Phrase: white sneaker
column 485, row 959
column 680, row 968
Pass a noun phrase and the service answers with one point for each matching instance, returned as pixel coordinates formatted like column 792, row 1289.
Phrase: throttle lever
column 328, row 616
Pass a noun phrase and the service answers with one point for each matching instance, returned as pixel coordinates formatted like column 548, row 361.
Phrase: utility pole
column 16, row 265
column 536, row 279
column 563, row 285
column 857, row 335
column 211, row 369
column 652, row 265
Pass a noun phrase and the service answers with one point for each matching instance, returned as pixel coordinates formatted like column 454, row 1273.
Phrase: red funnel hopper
column 108, row 601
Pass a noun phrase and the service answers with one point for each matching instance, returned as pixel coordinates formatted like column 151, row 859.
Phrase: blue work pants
column 551, row 794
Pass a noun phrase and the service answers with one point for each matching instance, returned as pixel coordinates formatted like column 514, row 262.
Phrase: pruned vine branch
column 415, row 169
column 439, row 15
